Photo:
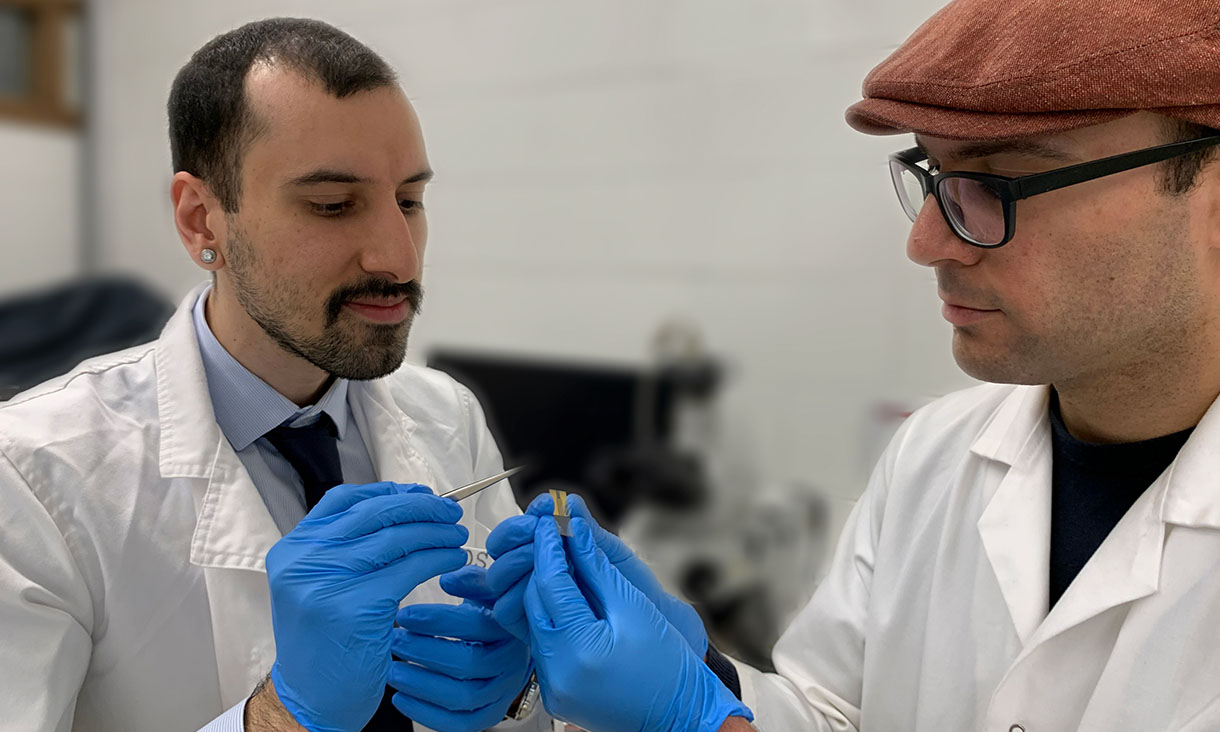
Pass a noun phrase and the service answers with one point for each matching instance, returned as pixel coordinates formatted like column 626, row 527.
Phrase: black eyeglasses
column 982, row 208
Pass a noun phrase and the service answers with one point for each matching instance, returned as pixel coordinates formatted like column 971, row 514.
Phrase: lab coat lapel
column 234, row 530
column 1127, row 565
column 1015, row 525
column 387, row 431
column 1194, row 479
column 234, row 534
column 1124, row 568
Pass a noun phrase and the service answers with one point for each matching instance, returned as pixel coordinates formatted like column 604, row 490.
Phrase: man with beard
column 228, row 518
column 1041, row 553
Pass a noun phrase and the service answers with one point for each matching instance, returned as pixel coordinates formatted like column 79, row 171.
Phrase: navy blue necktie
column 313, row 451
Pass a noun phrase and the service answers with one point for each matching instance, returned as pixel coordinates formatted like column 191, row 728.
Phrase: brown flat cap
column 996, row 69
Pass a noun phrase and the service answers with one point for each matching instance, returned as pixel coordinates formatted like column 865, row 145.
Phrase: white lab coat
column 133, row 596
column 933, row 617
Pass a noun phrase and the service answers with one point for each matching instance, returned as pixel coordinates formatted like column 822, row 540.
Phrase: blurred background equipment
column 45, row 334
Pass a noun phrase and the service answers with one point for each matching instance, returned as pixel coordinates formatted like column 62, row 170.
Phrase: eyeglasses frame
column 1010, row 190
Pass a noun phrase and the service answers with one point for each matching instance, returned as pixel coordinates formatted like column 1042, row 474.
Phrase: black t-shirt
column 1092, row 486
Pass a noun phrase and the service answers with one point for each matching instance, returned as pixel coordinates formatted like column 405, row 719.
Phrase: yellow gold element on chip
column 562, row 517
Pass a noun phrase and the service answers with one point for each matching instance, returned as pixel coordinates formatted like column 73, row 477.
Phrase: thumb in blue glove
column 592, row 633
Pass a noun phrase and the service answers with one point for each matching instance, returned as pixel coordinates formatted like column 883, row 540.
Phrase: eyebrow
column 975, row 150
column 330, row 175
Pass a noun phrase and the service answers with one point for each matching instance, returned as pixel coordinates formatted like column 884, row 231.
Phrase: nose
column 932, row 242
column 394, row 244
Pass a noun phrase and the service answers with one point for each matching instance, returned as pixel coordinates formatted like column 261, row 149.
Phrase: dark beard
column 339, row 351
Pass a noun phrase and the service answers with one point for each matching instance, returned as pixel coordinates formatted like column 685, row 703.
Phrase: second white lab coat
column 133, row 595
column 933, row 617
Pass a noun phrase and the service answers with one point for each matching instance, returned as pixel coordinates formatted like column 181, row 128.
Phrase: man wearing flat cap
column 1042, row 552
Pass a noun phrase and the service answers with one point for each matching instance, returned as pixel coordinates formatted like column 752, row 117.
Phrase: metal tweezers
column 467, row 491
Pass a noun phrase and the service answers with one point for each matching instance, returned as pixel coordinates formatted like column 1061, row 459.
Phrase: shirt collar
column 247, row 407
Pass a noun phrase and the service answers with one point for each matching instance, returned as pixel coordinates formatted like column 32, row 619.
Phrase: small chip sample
column 563, row 519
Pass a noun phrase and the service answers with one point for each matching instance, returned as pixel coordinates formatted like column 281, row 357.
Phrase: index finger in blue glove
column 373, row 514
column 552, row 599
column 510, row 568
column 467, row 622
column 469, row 583
column 458, row 659
column 342, row 497
column 511, row 533
column 393, row 543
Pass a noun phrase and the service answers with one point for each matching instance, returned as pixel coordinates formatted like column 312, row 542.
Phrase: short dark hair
column 1181, row 175
column 210, row 120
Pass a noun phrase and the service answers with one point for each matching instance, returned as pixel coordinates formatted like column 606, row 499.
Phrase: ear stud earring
column 207, row 256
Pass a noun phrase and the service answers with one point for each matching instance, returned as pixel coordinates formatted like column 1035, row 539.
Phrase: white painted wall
column 603, row 165
column 39, row 206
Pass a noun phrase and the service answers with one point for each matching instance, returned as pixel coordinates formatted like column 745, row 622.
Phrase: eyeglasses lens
column 974, row 208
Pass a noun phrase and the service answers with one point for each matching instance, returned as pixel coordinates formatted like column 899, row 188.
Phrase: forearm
column 737, row 724
column 265, row 713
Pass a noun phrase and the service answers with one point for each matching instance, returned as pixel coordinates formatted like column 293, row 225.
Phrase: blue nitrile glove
column 455, row 668
column 511, row 545
column 336, row 581
column 607, row 659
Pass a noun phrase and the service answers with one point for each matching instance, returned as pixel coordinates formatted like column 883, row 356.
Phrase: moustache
column 412, row 292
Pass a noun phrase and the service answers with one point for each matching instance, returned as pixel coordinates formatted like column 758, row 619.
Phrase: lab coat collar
column 1127, row 565
column 1015, row 529
column 1192, row 494
column 1015, row 526
column 1021, row 418
column 189, row 431
column 234, row 528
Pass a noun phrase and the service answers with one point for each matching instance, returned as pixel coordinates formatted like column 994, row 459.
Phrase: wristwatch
column 525, row 703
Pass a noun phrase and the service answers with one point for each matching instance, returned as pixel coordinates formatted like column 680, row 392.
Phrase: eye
column 410, row 205
column 330, row 208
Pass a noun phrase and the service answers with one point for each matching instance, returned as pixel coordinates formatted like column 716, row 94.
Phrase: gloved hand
column 336, row 581
column 607, row 659
column 511, row 545
column 455, row 668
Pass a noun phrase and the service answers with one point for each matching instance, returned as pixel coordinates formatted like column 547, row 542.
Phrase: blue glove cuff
column 723, row 706
column 713, row 703
column 284, row 693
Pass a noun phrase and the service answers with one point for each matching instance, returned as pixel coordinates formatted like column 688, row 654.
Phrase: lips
column 380, row 310
column 378, row 302
column 960, row 315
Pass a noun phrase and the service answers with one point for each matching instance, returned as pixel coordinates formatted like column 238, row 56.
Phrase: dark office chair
column 45, row 334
